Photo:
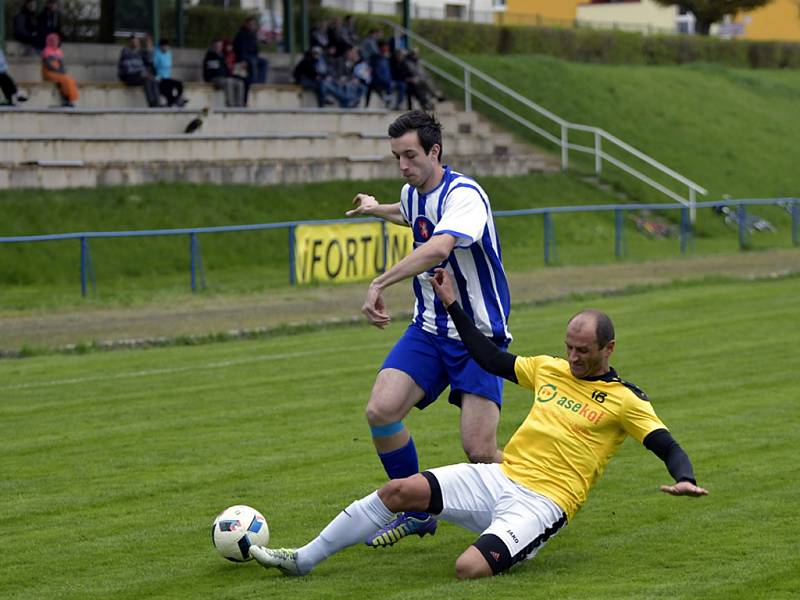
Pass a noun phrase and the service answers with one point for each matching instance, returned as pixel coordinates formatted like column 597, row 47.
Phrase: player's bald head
column 596, row 321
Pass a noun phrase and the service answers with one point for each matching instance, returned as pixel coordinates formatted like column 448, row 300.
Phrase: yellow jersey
column 574, row 427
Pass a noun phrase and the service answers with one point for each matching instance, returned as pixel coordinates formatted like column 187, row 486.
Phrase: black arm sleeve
column 661, row 443
column 482, row 349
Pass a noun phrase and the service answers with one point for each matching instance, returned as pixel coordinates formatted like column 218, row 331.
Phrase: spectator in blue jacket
column 217, row 72
column 170, row 88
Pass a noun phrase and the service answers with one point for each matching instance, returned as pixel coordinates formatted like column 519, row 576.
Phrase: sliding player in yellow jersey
column 581, row 414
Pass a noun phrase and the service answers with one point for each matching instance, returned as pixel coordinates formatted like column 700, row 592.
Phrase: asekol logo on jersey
column 423, row 229
column 548, row 392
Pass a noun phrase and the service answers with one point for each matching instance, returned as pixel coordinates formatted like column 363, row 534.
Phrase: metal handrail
column 565, row 126
column 195, row 261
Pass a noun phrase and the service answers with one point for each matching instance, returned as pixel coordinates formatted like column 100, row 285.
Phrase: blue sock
column 401, row 463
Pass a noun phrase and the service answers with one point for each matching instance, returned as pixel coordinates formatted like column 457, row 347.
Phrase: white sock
column 351, row 526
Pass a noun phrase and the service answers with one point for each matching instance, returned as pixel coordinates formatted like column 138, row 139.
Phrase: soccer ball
column 236, row 529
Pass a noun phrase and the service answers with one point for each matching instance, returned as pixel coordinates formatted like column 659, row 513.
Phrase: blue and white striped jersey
column 460, row 207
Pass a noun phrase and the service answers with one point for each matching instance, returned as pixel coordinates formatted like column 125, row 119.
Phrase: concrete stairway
column 98, row 63
column 112, row 138
column 114, row 95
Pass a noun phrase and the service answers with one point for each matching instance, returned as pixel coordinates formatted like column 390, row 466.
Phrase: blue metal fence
column 197, row 276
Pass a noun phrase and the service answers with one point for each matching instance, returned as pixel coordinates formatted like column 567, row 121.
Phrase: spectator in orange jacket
column 53, row 69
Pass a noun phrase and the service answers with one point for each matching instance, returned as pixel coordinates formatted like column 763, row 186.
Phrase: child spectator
column 217, row 72
column 7, row 83
column 53, row 69
column 132, row 71
column 245, row 44
column 170, row 88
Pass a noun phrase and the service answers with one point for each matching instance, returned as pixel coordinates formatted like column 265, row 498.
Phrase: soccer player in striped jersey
column 582, row 412
column 453, row 229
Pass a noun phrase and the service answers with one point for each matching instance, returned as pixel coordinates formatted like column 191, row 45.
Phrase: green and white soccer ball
column 236, row 529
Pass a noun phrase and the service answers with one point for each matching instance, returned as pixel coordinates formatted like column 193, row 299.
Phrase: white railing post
column 564, row 148
column 467, row 91
column 598, row 153
column 692, row 207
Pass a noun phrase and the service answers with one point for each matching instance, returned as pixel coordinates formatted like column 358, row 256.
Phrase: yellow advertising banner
column 343, row 252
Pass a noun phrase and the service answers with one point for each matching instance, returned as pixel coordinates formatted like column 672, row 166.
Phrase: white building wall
column 479, row 11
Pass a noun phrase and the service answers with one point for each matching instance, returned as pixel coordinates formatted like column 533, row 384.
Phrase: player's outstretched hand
column 684, row 488
column 375, row 308
column 363, row 204
column 443, row 286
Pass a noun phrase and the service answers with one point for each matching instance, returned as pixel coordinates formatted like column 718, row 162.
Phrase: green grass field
column 116, row 463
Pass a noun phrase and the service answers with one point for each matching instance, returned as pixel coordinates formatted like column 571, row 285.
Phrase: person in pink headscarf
column 53, row 69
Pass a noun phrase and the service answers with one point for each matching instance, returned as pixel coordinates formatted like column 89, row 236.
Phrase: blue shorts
column 435, row 362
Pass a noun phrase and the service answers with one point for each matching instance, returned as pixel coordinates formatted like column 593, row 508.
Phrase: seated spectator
column 245, row 44
column 319, row 35
column 370, row 47
column 170, row 88
column 217, row 72
column 401, row 72
column 239, row 69
column 417, row 86
column 53, row 69
column 7, row 84
column 345, row 86
column 341, row 34
column 361, row 69
column 49, row 21
column 312, row 73
column 424, row 79
column 382, row 80
column 25, row 29
column 132, row 71
column 347, row 33
column 332, row 33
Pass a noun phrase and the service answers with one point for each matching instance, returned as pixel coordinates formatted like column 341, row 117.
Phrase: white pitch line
column 173, row 370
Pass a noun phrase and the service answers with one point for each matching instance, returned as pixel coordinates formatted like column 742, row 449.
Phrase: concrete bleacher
column 134, row 121
column 98, row 63
column 112, row 138
column 115, row 95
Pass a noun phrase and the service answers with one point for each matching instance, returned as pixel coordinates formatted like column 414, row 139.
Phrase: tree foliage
column 707, row 12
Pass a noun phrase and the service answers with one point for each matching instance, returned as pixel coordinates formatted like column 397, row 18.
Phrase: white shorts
column 480, row 497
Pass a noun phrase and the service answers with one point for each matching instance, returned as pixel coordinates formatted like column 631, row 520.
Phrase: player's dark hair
column 429, row 130
column 604, row 328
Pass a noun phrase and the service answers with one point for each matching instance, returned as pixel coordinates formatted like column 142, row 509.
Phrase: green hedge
column 204, row 24
column 611, row 47
column 593, row 45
